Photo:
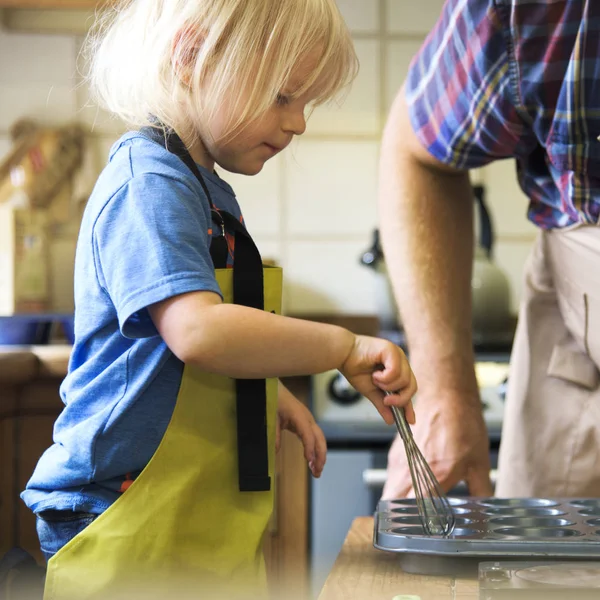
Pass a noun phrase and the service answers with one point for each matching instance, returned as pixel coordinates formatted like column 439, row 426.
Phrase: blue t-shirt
column 144, row 238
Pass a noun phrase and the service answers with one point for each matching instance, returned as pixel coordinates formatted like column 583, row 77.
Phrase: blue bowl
column 68, row 327
column 24, row 330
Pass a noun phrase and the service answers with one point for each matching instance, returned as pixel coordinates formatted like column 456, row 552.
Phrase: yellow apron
column 183, row 529
column 183, row 525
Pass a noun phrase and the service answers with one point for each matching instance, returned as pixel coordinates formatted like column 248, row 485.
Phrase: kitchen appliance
column 358, row 441
column 490, row 289
column 493, row 528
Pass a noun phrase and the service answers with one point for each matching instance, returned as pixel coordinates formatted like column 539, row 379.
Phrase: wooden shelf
column 50, row 4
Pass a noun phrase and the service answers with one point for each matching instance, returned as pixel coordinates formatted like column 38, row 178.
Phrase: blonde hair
column 239, row 50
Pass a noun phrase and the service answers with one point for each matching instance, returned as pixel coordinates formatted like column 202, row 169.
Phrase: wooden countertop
column 362, row 572
column 23, row 363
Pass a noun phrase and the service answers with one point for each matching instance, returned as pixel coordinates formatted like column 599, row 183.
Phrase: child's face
column 248, row 151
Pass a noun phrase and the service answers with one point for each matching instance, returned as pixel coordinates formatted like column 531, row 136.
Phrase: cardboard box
column 24, row 277
column 62, row 242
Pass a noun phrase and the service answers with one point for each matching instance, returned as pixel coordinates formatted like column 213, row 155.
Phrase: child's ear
column 186, row 45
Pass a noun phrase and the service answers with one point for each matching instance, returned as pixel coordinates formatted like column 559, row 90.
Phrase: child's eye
column 282, row 100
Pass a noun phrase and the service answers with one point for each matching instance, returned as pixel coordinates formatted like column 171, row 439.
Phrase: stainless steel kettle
column 490, row 287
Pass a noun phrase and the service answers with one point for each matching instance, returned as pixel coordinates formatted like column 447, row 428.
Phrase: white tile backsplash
column 269, row 249
column 358, row 113
column 95, row 119
column 404, row 16
column 89, row 113
column 510, row 256
column 399, row 53
column 331, row 188
column 101, row 149
column 37, row 78
column 259, row 197
column 49, row 59
column 506, row 200
column 326, row 277
column 314, row 208
column 44, row 102
column 361, row 16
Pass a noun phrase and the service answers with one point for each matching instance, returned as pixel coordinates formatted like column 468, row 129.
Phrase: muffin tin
column 491, row 529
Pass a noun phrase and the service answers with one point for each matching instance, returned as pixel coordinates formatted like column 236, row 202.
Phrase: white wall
column 312, row 209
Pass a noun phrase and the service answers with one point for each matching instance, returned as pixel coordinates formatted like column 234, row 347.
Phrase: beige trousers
column 551, row 434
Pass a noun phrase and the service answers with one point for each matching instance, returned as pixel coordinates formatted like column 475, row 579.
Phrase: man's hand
column 451, row 434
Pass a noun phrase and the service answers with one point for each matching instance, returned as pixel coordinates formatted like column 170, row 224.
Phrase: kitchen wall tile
column 507, row 201
column 314, row 208
column 359, row 111
column 100, row 146
column 98, row 120
column 37, row 78
column 477, row 176
column 326, row 277
column 260, row 197
column 361, row 16
column 44, row 102
column 33, row 58
column 331, row 188
column 510, row 256
column 95, row 119
column 269, row 248
column 406, row 17
column 399, row 53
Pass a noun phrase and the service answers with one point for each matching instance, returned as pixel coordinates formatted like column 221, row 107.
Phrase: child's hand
column 295, row 417
column 375, row 366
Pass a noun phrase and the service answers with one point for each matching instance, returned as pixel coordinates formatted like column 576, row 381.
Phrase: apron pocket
column 570, row 363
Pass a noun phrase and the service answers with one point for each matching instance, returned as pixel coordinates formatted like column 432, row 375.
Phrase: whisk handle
column 401, row 422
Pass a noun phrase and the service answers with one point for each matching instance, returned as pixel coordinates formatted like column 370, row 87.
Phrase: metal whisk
column 437, row 515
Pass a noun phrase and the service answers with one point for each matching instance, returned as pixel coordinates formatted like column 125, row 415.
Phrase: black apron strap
column 248, row 290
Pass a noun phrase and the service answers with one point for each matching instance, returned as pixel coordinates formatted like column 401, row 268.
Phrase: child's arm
column 242, row 342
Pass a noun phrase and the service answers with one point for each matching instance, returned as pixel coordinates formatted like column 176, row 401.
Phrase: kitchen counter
column 19, row 364
column 362, row 572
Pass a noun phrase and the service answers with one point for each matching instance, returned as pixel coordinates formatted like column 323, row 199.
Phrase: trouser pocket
column 569, row 363
column 57, row 527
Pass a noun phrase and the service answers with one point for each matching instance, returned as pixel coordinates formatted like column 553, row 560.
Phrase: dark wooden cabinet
column 27, row 414
column 29, row 405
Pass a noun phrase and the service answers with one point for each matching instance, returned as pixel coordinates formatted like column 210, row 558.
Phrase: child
column 159, row 482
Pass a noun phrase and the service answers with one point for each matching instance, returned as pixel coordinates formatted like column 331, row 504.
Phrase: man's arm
column 426, row 216
column 426, row 221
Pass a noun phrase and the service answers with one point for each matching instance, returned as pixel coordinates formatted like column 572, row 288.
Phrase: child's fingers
column 403, row 398
column 277, row 435
column 395, row 381
column 377, row 399
column 318, row 463
column 304, row 431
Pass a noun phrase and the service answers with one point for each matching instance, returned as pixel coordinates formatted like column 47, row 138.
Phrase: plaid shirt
column 516, row 79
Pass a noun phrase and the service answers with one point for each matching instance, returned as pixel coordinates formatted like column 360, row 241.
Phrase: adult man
column 501, row 79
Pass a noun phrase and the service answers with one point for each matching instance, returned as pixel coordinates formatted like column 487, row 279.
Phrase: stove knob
column 342, row 392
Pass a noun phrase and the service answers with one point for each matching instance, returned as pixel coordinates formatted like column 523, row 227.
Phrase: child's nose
column 294, row 122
